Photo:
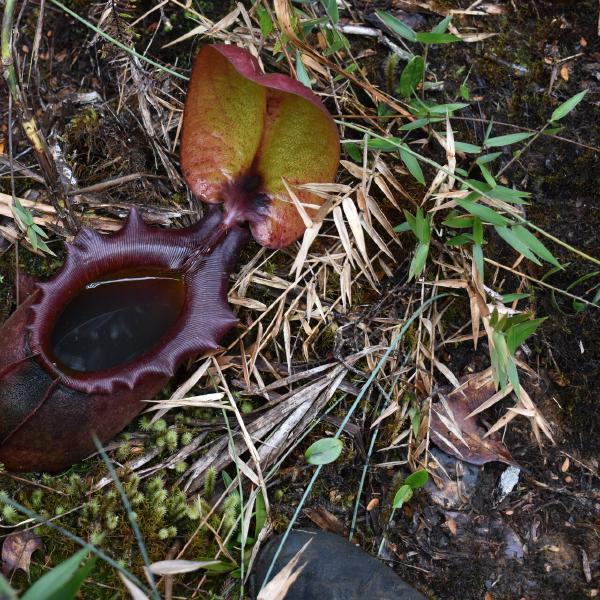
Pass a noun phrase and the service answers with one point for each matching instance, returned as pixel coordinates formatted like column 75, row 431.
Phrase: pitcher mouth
column 129, row 305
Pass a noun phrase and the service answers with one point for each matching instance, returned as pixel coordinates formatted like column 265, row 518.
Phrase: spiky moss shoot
column 156, row 493
column 76, row 487
column 145, row 423
column 186, row 438
column 209, row 482
column 111, row 521
column 167, row 532
column 37, row 496
column 123, row 452
column 171, row 439
column 97, row 538
column 231, row 510
column 177, row 506
column 159, row 426
column 98, row 515
column 10, row 516
column 92, row 508
column 198, row 509
column 246, row 407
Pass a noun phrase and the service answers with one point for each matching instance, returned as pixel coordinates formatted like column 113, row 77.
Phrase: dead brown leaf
column 17, row 550
column 374, row 502
column 451, row 524
column 454, row 432
column 323, row 519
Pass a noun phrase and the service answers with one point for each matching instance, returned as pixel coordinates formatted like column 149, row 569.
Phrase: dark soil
column 543, row 539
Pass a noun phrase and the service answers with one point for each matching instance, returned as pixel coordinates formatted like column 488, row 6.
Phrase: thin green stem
column 529, row 142
column 369, row 454
column 234, row 455
column 541, row 282
column 7, row 59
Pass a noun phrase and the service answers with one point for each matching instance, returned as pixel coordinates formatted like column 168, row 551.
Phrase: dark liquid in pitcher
column 114, row 321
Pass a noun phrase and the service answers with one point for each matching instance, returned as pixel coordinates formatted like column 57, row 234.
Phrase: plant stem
column 7, row 60
column 131, row 515
column 529, row 142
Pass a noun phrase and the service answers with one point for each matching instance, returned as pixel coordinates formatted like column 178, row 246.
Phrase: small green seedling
column 413, row 482
column 324, row 451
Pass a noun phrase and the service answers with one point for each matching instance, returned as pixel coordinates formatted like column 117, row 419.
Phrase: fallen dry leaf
column 17, row 550
column 451, row 524
column 455, row 434
column 323, row 519
column 372, row 504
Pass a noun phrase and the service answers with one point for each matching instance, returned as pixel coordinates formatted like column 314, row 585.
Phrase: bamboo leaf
column 486, row 158
column 459, row 240
column 412, row 223
column 411, row 76
column 467, row 148
column 404, row 494
column 477, row 231
column 416, row 124
column 442, row 26
column 442, row 109
column 436, row 38
column 397, row 26
column 417, row 479
column 510, row 238
column 301, row 72
column 485, row 213
column 412, row 164
column 517, row 334
column 535, row 244
column 478, row 258
column 6, row 592
column 265, row 22
column 418, row 262
column 566, row 107
column 331, row 8
column 511, row 297
column 63, row 581
column 507, row 140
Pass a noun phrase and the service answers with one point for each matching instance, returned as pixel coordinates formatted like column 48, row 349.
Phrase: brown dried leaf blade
column 450, row 415
column 17, row 550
